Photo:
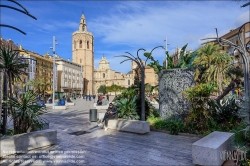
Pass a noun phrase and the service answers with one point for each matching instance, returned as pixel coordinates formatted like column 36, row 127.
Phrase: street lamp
column 241, row 49
column 54, row 67
column 81, row 82
column 166, row 49
column 141, row 66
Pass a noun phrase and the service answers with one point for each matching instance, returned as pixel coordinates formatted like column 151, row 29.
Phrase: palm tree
column 205, row 54
column 203, row 60
column 12, row 66
column 218, row 69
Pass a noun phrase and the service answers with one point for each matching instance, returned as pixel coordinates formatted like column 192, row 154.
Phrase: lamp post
column 166, row 49
column 241, row 49
column 54, row 67
column 81, row 82
column 141, row 66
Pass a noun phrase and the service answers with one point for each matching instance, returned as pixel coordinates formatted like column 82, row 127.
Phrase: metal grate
column 79, row 133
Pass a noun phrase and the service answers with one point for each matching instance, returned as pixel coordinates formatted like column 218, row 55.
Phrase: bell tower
column 83, row 54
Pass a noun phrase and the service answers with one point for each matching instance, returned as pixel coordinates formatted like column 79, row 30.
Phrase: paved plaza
column 91, row 145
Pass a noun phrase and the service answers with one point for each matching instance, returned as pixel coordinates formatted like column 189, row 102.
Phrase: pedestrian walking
column 107, row 97
column 94, row 97
column 86, row 97
column 89, row 97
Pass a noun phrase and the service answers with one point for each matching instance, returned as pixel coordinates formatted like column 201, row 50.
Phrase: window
column 103, row 75
column 74, row 44
column 128, row 82
column 247, row 34
column 87, row 44
column 80, row 60
column 80, row 44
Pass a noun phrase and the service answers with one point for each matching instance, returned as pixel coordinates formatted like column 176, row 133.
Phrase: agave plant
column 127, row 108
column 27, row 114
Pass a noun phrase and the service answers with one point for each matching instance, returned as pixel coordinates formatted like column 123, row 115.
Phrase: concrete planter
column 22, row 143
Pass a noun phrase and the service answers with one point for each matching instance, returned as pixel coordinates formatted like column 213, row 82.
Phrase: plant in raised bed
column 27, row 114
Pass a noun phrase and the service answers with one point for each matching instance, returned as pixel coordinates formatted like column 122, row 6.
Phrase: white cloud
column 243, row 18
column 140, row 23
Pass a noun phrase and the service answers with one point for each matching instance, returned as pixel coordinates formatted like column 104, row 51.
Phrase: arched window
column 128, row 82
column 87, row 44
column 103, row 75
column 80, row 44
column 80, row 60
column 74, row 44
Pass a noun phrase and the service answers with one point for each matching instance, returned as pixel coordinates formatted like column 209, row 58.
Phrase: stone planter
column 22, row 143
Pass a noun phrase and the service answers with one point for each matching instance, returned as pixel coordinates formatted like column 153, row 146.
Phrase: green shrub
column 171, row 125
column 26, row 114
column 131, row 96
column 127, row 108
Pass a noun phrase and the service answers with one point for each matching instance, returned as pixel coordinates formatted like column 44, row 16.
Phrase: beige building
column 233, row 37
column 150, row 76
column 39, row 67
column 103, row 75
column 176, row 56
column 83, row 53
column 69, row 77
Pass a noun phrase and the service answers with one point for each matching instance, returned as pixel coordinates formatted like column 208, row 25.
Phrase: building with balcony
column 232, row 36
column 39, row 67
column 70, row 78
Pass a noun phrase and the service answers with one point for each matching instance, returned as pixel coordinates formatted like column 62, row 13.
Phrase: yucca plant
column 127, row 108
column 27, row 114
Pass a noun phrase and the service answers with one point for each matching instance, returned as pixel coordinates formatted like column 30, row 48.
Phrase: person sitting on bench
column 110, row 114
column 99, row 102
column 68, row 100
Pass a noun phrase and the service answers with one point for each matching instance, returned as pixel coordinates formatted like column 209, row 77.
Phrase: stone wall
column 171, row 85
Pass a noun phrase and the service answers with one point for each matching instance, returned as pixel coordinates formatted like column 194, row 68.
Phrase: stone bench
column 101, row 115
column 209, row 150
column 49, row 104
column 133, row 126
column 102, row 107
column 22, row 143
column 60, row 107
column 69, row 103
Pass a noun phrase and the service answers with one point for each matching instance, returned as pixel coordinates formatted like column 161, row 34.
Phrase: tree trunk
column 219, row 78
column 230, row 87
column 11, row 109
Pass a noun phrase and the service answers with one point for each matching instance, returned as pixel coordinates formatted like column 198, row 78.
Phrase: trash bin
column 93, row 115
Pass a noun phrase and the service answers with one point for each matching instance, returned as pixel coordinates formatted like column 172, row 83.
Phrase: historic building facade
column 83, row 54
column 39, row 67
column 70, row 80
column 103, row 75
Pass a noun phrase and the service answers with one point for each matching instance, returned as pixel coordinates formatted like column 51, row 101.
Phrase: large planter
column 45, row 126
column 22, row 143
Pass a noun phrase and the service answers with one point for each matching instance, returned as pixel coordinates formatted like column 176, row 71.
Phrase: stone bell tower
column 83, row 53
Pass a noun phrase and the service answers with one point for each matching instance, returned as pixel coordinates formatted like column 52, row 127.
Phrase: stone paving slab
column 98, row 147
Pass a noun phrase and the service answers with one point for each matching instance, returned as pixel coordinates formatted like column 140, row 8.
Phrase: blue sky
column 122, row 26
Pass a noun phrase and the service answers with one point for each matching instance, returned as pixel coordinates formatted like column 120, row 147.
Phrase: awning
column 49, row 92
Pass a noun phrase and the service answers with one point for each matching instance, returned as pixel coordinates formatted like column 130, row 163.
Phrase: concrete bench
column 60, row 107
column 49, row 104
column 22, row 143
column 133, row 126
column 101, row 115
column 102, row 107
column 69, row 103
column 208, row 150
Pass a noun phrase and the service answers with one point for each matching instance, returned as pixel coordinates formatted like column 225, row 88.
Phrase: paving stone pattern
column 91, row 145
